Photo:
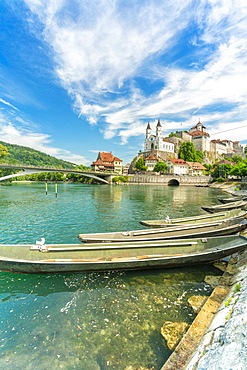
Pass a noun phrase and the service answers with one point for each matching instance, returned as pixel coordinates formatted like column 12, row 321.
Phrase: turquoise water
column 93, row 321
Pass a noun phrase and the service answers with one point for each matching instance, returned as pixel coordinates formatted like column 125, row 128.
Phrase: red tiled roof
column 107, row 157
column 199, row 133
column 167, row 140
column 178, row 161
column 151, row 157
column 196, row 165
column 98, row 162
column 224, row 161
column 198, row 124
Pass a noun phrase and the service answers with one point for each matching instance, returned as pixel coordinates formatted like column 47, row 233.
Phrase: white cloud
column 17, row 131
column 7, row 103
column 101, row 49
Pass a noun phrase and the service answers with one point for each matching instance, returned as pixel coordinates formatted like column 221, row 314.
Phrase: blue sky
column 82, row 76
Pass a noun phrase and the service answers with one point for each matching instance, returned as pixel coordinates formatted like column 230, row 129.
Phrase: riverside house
column 107, row 162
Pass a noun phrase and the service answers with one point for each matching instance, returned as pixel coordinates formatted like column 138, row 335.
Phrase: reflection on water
column 95, row 321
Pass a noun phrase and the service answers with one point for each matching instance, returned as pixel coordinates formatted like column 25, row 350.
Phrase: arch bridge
column 28, row 170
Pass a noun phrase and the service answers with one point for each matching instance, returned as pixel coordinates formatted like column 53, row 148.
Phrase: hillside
column 24, row 155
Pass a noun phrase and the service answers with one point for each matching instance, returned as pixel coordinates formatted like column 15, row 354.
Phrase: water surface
column 93, row 321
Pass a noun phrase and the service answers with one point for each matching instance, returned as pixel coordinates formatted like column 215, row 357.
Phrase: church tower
column 148, row 131
column 158, row 130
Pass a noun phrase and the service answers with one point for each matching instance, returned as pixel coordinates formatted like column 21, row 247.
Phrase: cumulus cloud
column 105, row 52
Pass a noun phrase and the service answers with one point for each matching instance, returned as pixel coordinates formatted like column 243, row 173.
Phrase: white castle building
column 157, row 142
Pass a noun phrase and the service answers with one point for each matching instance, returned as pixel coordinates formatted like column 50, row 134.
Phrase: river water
column 93, row 321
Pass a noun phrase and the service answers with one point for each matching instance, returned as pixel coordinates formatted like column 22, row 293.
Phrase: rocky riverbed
column 217, row 339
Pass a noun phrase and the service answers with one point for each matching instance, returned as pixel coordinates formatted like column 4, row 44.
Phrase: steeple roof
column 148, row 126
column 159, row 124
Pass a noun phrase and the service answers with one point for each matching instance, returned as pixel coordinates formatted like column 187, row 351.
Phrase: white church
column 157, row 142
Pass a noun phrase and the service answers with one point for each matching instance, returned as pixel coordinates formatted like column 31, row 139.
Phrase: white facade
column 157, row 141
column 177, row 166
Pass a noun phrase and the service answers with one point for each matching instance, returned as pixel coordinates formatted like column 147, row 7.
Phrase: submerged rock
column 173, row 332
column 212, row 280
column 197, row 301
column 221, row 265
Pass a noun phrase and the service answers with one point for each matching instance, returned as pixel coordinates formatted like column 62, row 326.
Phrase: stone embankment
column 217, row 339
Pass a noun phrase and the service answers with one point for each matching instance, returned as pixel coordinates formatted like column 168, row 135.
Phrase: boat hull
column 233, row 199
column 226, row 207
column 220, row 216
column 120, row 256
column 228, row 227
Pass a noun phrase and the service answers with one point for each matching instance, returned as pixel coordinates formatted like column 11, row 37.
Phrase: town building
column 126, row 169
column 177, row 166
column 195, row 168
column 107, row 162
column 200, row 138
column 150, row 162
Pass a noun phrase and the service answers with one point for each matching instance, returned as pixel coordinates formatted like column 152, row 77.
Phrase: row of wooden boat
column 202, row 230
column 170, row 243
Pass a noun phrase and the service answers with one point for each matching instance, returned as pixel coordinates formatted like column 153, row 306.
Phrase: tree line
column 16, row 154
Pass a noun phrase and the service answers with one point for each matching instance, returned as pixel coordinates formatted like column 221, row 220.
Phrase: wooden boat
column 225, row 207
column 167, row 222
column 232, row 199
column 61, row 258
column 205, row 229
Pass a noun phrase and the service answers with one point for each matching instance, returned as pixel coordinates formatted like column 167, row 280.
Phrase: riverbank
column 217, row 339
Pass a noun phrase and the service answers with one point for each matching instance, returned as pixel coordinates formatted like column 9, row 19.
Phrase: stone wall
column 224, row 345
column 169, row 179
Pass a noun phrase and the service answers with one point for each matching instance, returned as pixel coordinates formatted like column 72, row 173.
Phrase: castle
column 164, row 148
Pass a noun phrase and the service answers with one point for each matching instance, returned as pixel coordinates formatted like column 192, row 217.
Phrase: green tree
column 240, row 170
column 237, row 159
column 222, row 170
column 160, row 167
column 199, row 156
column 140, row 165
column 3, row 152
column 187, row 152
column 172, row 134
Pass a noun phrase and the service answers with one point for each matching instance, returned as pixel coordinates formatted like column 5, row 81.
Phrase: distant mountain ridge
column 25, row 155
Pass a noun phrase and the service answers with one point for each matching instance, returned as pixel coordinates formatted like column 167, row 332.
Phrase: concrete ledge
column 192, row 338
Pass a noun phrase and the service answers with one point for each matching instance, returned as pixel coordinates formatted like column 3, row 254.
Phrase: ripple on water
column 97, row 320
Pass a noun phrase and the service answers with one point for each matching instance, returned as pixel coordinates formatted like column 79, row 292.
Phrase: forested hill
column 23, row 155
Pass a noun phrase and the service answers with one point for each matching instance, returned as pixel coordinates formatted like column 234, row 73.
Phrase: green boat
column 199, row 219
column 61, row 258
column 204, row 230
column 225, row 207
column 232, row 199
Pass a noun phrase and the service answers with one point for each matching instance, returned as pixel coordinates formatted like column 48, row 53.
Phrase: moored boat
column 61, row 258
column 207, row 229
column 232, row 199
column 225, row 207
column 169, row 222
